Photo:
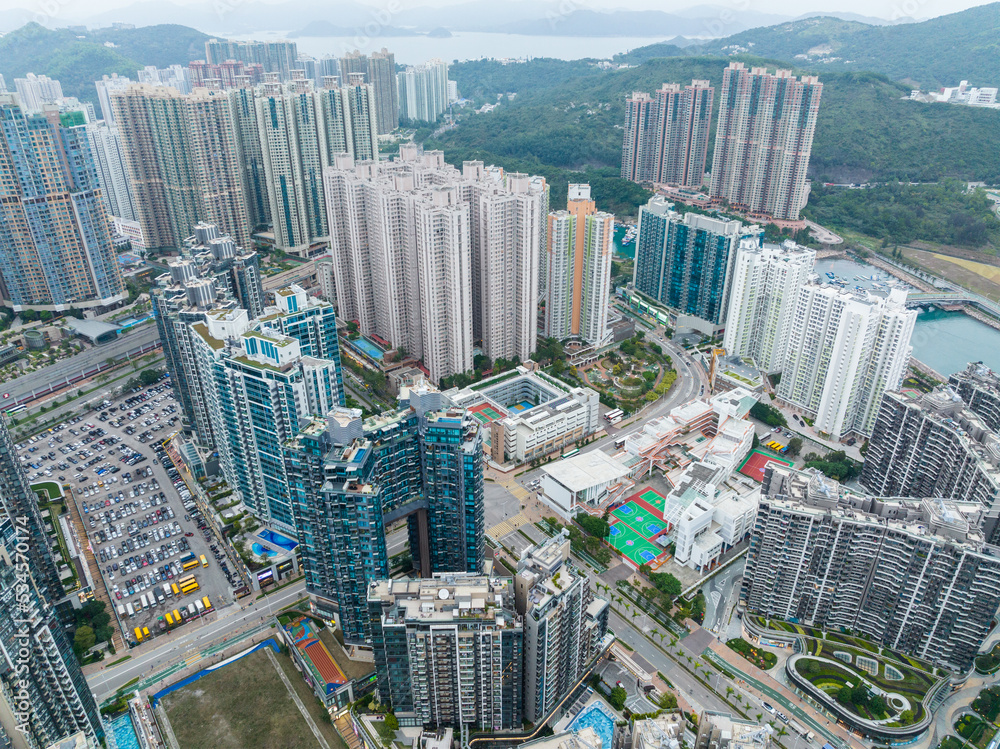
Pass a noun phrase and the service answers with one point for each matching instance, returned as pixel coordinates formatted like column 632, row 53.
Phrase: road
column 168, row 650
column 721, row 594
column 68, row 370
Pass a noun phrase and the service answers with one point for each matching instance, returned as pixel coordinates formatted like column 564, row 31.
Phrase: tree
column 794, row 445
column 84, row 639
column 617, row 698
column 391, row 722
column 768, row 414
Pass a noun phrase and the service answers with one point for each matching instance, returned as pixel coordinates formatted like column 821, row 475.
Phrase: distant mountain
column 930, row 54
column 77, row 60
column 631, row 23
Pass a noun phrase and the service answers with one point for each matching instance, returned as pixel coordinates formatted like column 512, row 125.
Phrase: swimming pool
column 278, row 540
column 598, row 717
column 124, row 732
column 262, row 551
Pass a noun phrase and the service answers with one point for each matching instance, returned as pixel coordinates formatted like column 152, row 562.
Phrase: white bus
column 129, row 609
column 619, row 443
column 613, row 417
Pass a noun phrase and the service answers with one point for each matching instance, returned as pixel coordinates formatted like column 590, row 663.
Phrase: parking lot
column 144, row 530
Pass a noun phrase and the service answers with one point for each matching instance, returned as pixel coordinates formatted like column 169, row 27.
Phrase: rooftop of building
column 586, row 470
column 945, row 408
column 735, row 733
column 810, row 492
column 447, row 597
column 585, row 738
column 980, row 374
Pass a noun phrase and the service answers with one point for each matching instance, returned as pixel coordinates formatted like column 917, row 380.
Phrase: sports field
column 522, row 406
column 485, row 413
column 756, row 461
column 635, row 524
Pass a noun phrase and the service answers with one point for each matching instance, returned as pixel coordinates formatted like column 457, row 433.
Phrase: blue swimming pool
column 262, row 551
column 278, row 540
column 124, row 732
column 598, row 717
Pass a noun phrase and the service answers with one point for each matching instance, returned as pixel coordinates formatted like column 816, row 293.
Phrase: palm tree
column 759, row 716
column 729, row 692
column 782, row 731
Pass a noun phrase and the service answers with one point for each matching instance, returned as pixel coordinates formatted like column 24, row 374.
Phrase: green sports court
column 635, row 524
column 486, row 413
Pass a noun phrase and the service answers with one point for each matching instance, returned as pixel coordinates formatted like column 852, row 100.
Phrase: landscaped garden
column 975, row 730
column 987, row 703
column 759, row 657
column 989, row 662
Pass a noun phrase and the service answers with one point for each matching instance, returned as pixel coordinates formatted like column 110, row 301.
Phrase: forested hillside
column 77, row 60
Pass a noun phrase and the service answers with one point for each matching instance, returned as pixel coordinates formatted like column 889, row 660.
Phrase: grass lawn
column 51, row 489
column 316, row 710
column 950, row 742
column 244, row 705
column 989, row 662
column 978, row 277
column 756, row 655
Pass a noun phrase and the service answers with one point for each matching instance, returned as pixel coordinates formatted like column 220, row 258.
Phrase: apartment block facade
column 912, row 574
column 378, row 70
column 55, row 242
column 979, row 387
column 578, row 269
column 666, row 137
column 932, row 445
column 430, row 258
column 763, row 141
column 763, row 296
column 449, row 651
column 564, row 624
column 686, row 262
column 349, row 479
column 844, row 350
column 44, row 695
column 423, row 91
column 112, row 176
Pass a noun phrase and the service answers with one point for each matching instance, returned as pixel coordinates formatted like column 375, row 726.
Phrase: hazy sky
column 880, row 8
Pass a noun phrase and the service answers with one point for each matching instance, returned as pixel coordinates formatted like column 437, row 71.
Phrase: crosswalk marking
column 509, row 525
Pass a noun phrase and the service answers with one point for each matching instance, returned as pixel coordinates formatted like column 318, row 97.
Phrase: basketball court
column 522, row 406
column 485, row 413
column 635, row 524
column 757, row 461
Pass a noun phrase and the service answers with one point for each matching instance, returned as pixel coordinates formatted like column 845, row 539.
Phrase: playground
column 324, row 668
column 757, row 461
column 485, row 413
column 522, row 406
column 635, row 525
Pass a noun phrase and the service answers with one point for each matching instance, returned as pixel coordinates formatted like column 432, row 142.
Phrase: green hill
column 940, row 52
column 866, row 130
column 77, row 60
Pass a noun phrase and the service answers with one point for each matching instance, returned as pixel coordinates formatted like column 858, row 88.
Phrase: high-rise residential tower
column 212, row 275
column 931, row 445
column 578, row 269
column 379, row 71
column 36, row 90
column 564, row 624
column 763, row 296
column 448, row 651
column 912, row 575
column 349, row 479
column 844, row 350
column 183, row 162
column 686, row 262
column 763, row 140
column 109, row 161
column 423, row 91
column 979, row 387
column 105, row 87
column 666, row 138
column 418, row 245
column 275, row 56
column 44, row 695
column 55, row 244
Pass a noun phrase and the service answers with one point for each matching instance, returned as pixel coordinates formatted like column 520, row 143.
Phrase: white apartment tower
column 844, row 350
column 578, row 269
column 36, row 90
column 109, row 159
column 763, row 296
column 430, row 259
